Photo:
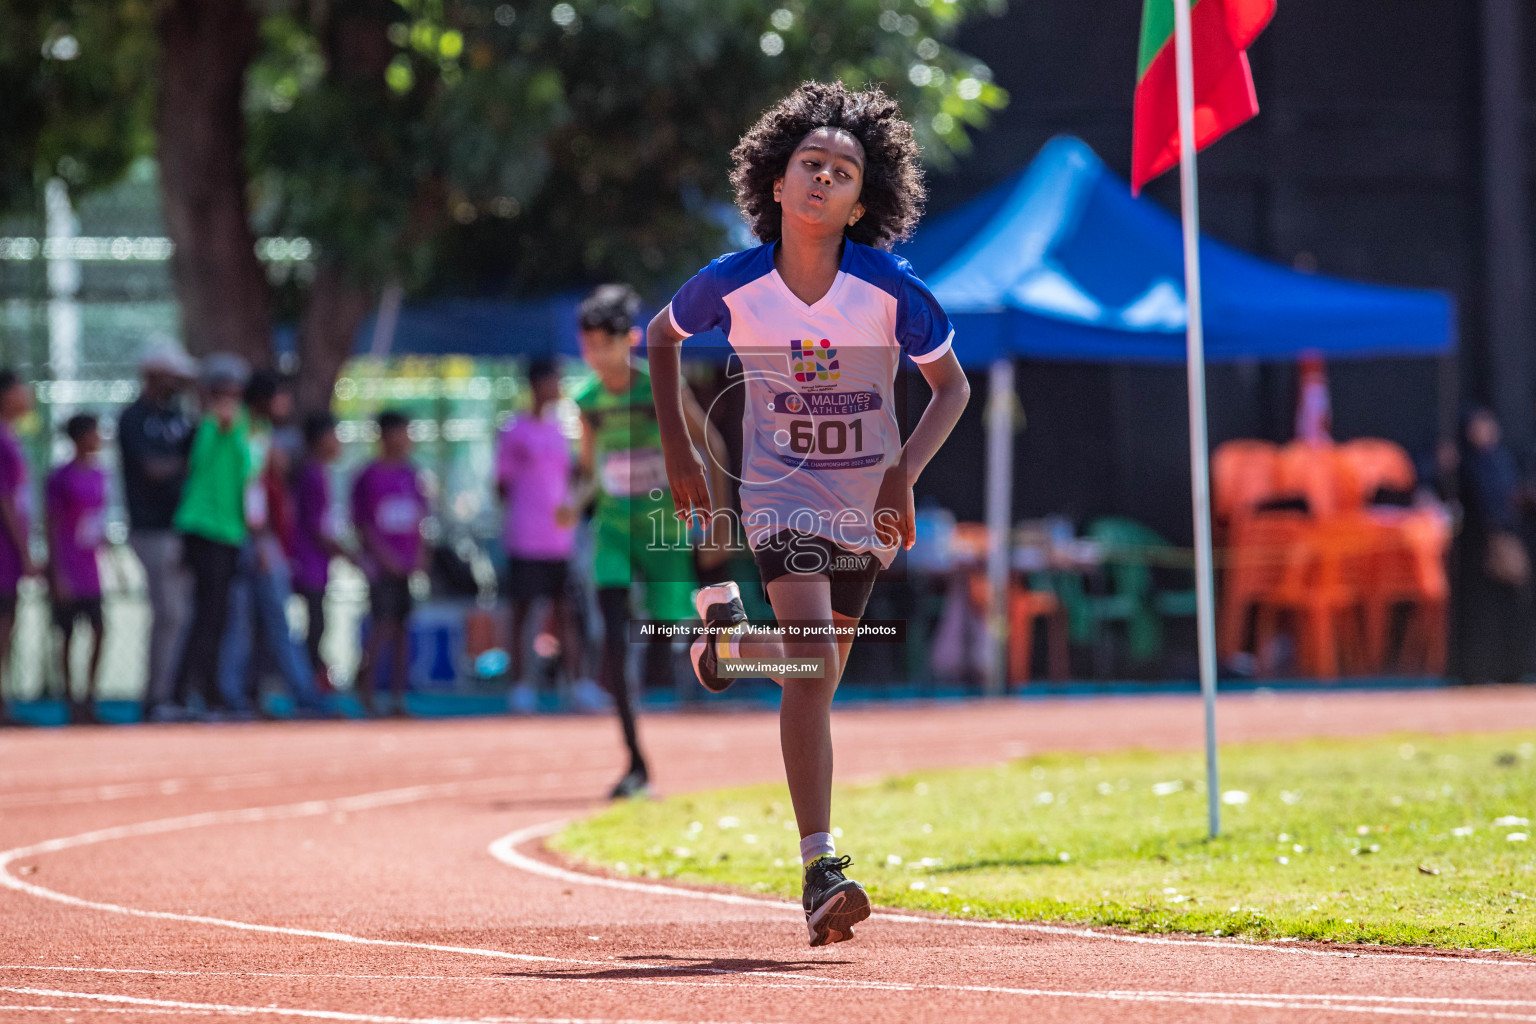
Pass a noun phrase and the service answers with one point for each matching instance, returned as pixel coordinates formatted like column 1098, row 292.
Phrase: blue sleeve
column 698, row 307
column 922, row 329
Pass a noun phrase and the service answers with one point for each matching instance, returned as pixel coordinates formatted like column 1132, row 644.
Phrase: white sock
column 817, row 844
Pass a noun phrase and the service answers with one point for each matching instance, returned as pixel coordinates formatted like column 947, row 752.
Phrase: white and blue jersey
column 820, row 424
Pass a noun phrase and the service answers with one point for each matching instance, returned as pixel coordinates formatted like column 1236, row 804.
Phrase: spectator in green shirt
column 212, row 521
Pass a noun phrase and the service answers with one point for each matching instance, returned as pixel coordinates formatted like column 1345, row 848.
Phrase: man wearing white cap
column 155, row 434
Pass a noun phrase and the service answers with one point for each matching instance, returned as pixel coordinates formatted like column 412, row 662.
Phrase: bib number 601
column 826, row 437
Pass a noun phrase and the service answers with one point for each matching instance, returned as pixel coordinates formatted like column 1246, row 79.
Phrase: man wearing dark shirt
column 155, row 435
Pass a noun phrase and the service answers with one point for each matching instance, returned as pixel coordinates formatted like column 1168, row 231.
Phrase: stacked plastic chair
column 1313, row 556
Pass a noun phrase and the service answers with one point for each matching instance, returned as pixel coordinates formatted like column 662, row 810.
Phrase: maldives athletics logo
column 813, row 362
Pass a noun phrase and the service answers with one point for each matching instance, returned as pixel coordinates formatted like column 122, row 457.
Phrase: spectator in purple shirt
column 76, row 506
column 387, row 510
column 313, row 537
column 15, row 514
column 533, row 477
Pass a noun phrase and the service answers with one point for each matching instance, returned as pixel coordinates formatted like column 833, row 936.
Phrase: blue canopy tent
column 480, row 327
column 1060, row 262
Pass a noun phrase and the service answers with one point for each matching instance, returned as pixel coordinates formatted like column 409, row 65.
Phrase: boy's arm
column 685, row 469
column 12, row 525
column 10, row 521
column 51, row 570
column 584, row 487
column 423, row 549
column 706, row 438
column 951, row 391
column 506, row 467
column 366, row 541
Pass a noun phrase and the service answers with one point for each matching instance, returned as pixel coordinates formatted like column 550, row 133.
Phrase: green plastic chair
column 1133, row 600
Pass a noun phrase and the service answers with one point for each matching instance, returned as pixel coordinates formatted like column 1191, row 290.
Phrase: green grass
column 1393, row 840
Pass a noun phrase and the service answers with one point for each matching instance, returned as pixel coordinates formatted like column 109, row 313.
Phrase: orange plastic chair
column 1242, row 477
column 1257, row 551
column 1409, row 569
column 1024, row 607
column 1377, row 463
column 1317, row 473
column 1323, row 590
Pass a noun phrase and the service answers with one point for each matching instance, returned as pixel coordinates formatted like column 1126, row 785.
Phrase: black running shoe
column 721, row 609
column 635, row 784
column 833, row 904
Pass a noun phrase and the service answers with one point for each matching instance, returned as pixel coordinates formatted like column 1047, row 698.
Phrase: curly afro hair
column 893, row 192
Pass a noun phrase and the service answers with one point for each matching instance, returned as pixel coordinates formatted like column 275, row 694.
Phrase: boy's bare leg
column 399, row 666
column 95, row 665
column 7, row 624
column 363, row 681
column 519, row 623
column 66, row 641
column 570, row 636
column 805, row 714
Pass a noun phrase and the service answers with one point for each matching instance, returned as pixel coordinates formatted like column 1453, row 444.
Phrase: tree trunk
column 205, row 49
column 336, row 309
column 354, row 36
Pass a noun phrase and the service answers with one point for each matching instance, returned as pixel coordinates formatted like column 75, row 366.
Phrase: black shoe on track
column 636, row 784
column 833, row 903
column 721, row 609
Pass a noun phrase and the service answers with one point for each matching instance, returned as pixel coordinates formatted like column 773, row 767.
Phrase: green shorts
column 667, row 572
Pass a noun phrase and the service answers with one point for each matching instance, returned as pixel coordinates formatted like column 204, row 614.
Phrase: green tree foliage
column 525, row 146
column 74, row 95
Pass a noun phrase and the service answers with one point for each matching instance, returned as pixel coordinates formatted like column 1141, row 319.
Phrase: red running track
column 390, row 872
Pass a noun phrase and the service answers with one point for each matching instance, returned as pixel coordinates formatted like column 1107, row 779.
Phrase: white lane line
column 109, row 792
column 506, row 850
column 506, row 845
column 1342, row 1005
column 310, row 808
column 293, row 1011
column 1137, row 994
column 102, row 1009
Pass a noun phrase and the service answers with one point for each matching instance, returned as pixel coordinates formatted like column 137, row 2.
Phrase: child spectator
column 387, row 510
column 212, row 521
column 312, row 542
column 533, row 477
column 76, row 505
column 15, row 513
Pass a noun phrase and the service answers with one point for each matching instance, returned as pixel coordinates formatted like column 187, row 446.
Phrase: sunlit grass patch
column 1408, row 840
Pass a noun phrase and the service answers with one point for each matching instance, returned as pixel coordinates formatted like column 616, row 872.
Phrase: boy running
column 388, row 507
column 76, row 503
column 632, row 542
column 819, row 316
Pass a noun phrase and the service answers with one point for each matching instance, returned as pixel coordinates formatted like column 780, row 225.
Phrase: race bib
column 827, row 430
column 634, row 471
column 398, row 514
column 90, row 530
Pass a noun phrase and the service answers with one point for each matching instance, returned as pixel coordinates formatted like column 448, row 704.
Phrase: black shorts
column 791, row 552
column 529, row 578
column 67, row 613
column 389, row 598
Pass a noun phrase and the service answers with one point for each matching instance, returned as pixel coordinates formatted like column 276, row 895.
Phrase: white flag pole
column 1199, row 454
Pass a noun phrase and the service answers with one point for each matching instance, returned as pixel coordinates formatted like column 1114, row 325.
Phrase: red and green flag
column 1221, row 32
